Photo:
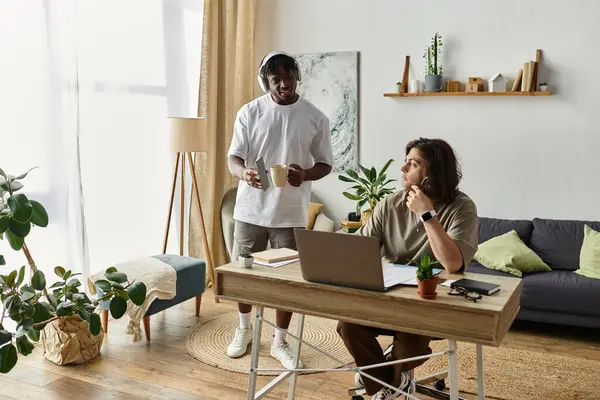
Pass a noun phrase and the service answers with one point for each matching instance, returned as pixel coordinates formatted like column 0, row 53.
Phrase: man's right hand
column 252, row 178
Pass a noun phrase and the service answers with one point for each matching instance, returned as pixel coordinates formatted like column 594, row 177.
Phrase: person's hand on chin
column 417, row 201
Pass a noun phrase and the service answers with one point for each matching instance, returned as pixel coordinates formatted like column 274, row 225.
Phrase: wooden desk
column 485, row 322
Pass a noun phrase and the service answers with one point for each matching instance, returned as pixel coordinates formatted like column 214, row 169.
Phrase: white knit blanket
column 160, row 280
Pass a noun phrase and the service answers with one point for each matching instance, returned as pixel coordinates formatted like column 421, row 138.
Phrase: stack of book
column 350, row 226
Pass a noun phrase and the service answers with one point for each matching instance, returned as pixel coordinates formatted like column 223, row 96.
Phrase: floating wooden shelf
column 481, row 94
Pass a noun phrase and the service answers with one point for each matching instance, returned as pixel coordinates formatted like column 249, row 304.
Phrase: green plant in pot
column 426, row 280
column 245, row 259
column 41, row 310
column 433, row 65
column 369, row 187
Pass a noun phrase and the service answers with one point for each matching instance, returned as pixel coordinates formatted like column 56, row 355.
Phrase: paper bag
column 68, row 340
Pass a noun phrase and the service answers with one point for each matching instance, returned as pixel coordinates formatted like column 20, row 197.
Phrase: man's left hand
column 296, row 175
column 417, row 201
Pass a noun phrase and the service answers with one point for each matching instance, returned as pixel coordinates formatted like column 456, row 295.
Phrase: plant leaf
column 8, row 358
column 118, row 277
column 385, row 167
column 2, row 260
column 59, row 271
column 21, row 276
column 65, row 308
column 346, row 179
column 19, row 229
column 38, row 280
column 16, row 243
column 137, row 293
column 118, row 306
column 84, row 315
column 5, row 337
column 39, row 216
column 66, row 275
column 95, row 324
column 111, row 269
column 372, row 174
column 10, row 279
column 20, row 207
column 351, row 196
column 24, row 174
column 27, row 296
column 4, row 223
column 2, row 173
column 103, row 285
column 366, row 172
column 352, row 174
column 24, row 346
column 42, row 312
column 34, row 334
column 74, row 283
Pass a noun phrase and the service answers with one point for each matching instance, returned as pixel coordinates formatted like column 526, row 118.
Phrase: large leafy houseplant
column 33, row 304
column 368, row 188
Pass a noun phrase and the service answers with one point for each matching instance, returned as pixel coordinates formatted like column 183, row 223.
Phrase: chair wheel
column 440, row 385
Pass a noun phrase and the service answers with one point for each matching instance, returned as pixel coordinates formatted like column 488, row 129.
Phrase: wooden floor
column 162, row 370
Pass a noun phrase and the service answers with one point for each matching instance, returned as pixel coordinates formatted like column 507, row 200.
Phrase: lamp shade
column 187, row 134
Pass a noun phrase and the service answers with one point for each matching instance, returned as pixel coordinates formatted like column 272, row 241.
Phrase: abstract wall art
column 330, row 81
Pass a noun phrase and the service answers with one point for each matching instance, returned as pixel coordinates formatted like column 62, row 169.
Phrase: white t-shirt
column 292, row 134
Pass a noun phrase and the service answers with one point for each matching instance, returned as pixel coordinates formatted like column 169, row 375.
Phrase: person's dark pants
column 361, row 342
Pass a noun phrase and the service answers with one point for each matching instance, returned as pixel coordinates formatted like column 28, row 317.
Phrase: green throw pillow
column 589, row 257
column 508, row 253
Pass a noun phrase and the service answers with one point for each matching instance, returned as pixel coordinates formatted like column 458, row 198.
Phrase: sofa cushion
column 589, row 258
column 561, row 291
column 508, row 253
column 476, row 268
column 488, row 228
column 558, row 242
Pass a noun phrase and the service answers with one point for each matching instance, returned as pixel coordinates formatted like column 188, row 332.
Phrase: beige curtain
column 226, row 84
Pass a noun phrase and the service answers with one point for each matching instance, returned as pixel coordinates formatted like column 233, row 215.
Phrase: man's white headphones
column 261, row 76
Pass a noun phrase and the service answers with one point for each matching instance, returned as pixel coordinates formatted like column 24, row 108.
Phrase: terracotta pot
column 426, row 288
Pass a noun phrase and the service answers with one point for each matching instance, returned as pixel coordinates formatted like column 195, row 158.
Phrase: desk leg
column 453, row 370
column 255, row 353
column 299, row 331
column 480, row 375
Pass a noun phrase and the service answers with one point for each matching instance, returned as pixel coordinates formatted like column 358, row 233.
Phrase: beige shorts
column 256, row 238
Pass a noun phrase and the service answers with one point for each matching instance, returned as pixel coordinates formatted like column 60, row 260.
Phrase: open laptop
column 347, row 260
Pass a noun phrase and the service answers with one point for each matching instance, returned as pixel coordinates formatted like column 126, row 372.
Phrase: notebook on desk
column 476, row 286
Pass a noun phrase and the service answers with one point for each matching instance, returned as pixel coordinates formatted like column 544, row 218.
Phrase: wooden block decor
column 472, row 87
column 452, row 86
column 404, row 87
column 479, row 82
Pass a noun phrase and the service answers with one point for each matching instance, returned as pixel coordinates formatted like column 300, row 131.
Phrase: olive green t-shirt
column 403, row 235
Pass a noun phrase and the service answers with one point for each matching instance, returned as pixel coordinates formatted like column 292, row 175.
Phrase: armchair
column 322, row 221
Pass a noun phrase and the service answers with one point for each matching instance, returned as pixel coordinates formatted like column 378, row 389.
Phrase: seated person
column 429, row 215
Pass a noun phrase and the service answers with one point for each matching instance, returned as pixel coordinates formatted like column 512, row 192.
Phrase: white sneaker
column 386, row 393
column 240, row 342
column 284, row 354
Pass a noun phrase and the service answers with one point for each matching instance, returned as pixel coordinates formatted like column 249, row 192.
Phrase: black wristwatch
column 428, row 215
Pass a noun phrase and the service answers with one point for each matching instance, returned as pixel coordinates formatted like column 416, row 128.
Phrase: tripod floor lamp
column 187, row 136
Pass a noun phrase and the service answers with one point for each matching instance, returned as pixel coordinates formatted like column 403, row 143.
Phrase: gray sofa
column 322, row 222
column 558, row 297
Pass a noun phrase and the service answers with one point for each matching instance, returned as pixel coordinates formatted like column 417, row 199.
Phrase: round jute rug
column 512, row 374
column 208, row 343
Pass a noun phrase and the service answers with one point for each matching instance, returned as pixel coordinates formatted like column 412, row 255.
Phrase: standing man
column 282, row 128
column 429, row 215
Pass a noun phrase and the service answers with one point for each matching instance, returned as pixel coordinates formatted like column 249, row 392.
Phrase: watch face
column 426, row 216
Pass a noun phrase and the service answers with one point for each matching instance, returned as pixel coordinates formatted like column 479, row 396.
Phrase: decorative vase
column 246, row 262
column 364, row 216
column 433, row 83
column 68, row 340
column 426, row 288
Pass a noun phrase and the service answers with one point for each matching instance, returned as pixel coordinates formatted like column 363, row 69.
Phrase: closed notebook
column 476, row 286
column 276, row 255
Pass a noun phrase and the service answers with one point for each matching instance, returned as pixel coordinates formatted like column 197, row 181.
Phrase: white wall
column 522, row 157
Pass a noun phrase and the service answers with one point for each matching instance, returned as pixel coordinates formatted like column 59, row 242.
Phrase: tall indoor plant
column 369, row 188
column 433, row 65
column 31, row 303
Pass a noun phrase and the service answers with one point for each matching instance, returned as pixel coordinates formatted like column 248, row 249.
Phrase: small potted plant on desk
column 426, row 280
column 544, row 87
column 246, row 260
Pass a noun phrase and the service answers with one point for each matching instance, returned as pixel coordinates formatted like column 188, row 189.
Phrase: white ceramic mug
column 279, row 174
column 414, row 86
